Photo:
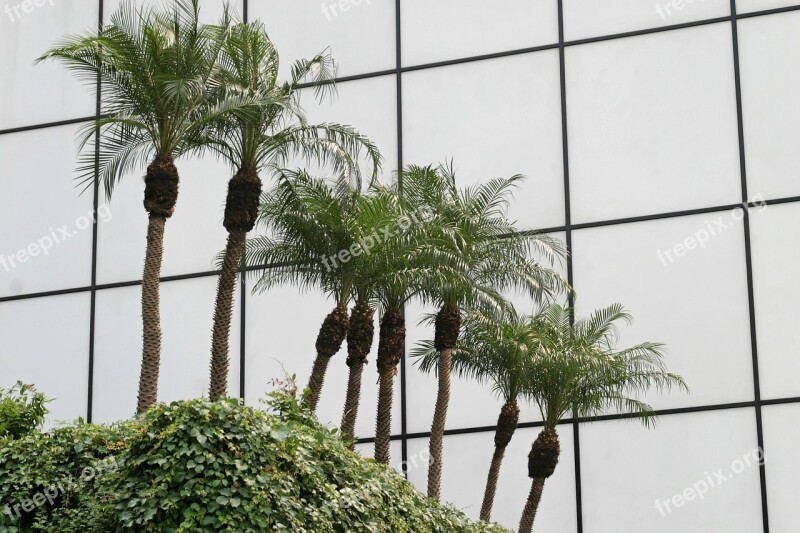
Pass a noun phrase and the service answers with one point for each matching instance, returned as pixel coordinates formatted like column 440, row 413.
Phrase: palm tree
column 266, row 139
column 577, row 371
column 374, row 212
column 309, row 221
column 495, row 347
column 156, row 70
column 485, row 255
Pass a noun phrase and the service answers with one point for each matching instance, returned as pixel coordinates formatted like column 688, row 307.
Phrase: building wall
column 660, row 139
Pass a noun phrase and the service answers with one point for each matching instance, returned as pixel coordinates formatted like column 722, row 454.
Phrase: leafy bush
column 22, row 410
column 218, row 466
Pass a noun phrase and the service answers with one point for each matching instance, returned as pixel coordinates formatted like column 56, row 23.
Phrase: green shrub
column 22, row 410
column 202, row 466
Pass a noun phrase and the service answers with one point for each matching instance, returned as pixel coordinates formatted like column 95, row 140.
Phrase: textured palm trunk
column 506, row 426
column 531, row 506
column 331, row 336
column 448, row 323
column 220, row 359
column 542, row 462
column 241, row 210
column 160, row 196
column 359, row 343
column 391, row 347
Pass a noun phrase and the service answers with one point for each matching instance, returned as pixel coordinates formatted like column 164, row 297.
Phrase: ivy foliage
column 214, row 466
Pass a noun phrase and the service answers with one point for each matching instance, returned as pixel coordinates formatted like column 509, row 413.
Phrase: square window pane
column 46, row 343
column 769, row 50
column 776, row 260
column 48, row 92
column 193, row 236
column 509, row 108
column 589, row 18
column 449, row 29
column 466, row 459
column 282, row 327
column 664, row 479
column 187, row 310
column 652, row 124
column 686, row 288
column 50, row 246
column 360, row 33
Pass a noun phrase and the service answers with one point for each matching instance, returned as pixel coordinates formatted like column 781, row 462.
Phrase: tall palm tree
column 578, row 371
column 486, row 255
column 156, row 69
column 265, row 140
column 496, row 347
column 309, row 221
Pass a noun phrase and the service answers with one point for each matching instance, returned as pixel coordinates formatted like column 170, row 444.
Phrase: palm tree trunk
column 222, row 315
column 160, row 196
column 331, row 336
column 506, row 426
column 448, row 323
column 359, row 343
column 531, row 506
column 241, row 210
column 151, row 315
column 391, row 348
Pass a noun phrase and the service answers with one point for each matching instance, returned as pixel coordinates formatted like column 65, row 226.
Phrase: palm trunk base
column 351, row 404
column 438, row 425
column 491, row 484
column 383, row 427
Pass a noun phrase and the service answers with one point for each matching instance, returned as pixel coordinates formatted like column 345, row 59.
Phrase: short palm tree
column 485, row 256
column 309, row 220
column 577, row 371
column 156, row 69
column 265, row 140
column 373, row 213
column 496, row 347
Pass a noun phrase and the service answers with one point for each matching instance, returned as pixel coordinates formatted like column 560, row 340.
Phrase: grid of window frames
column 660, row 141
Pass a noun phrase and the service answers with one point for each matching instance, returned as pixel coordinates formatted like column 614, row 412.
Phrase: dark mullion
column 95, row 205
column 576, row 449
column 749, row 266
column 399, row 79
column 243, row 286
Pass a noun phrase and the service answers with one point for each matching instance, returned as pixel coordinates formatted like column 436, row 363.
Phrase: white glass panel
column 589, row 18
column 370, row 106
column 282, row 327
column 187, row 310
column 745, row 6
column 776, row 259
column 47, row 239
column 360, row 33
column 193, row 236
column 367, row 449
column 508, row 108
column 652, row 124
column 686, row 288
column 769, row 50
column 34, row 94
column 466, row 461
column 629, row 472
column 46, row 343
column 781, row 435
column 452, row 29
